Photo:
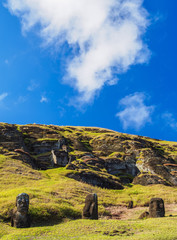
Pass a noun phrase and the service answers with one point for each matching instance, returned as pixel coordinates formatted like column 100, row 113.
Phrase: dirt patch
column 171, row 209
column 123, row 213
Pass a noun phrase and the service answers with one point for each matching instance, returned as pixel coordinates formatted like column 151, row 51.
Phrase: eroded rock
column 59, row 158
column 148, row 179
column 99, row 150
column 96, row 179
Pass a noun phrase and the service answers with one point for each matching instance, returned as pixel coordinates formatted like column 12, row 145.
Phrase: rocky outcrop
column 59, row 158
column 149, row 179
column 96, row 179
column 97, row 156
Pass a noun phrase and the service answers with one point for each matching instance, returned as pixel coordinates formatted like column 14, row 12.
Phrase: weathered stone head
column 90, row 210
column 20, row 217
column 156, row 208
column 22, row 203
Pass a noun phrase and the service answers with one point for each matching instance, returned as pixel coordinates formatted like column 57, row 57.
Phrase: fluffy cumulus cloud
column 135, row 113
column 104, row 35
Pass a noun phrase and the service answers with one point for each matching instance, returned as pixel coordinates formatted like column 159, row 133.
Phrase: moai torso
column 20, row 217
column 20, row 220
column 90, row 210
column 156, row 208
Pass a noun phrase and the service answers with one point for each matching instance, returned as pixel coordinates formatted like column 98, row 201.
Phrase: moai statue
column 156, row 208
column 144, row 215
column 20, row 217
column 90, row 210
column 130, row 205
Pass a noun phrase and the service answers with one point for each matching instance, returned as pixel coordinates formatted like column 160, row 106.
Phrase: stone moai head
column 130, row 205
column 144, row 215
column 156, row 208
column 90, row 210
column 20, row 217
column 22, row 203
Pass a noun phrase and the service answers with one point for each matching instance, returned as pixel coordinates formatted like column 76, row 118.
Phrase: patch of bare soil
column 123, row 213
column 171, row 209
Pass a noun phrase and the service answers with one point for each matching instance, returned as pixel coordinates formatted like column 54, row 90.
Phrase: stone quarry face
column 112, row 158
column 156, row 208
column 90, row 210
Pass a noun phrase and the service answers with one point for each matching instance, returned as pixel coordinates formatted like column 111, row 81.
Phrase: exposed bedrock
column 96, row 156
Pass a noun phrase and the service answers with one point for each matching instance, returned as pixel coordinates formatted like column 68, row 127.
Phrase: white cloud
column 105, row 35
column 135, row 114
column 3, row 96
column 33, row 85
column 43, row 99
column 170, row 120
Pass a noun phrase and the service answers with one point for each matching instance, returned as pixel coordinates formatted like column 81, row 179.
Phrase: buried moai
column 90, row 210
column 156, row 208
column 130, row 205
column 20, row 217
column 144, row 215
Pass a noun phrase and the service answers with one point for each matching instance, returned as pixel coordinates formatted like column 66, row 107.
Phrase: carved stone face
column 156, row 207
column 22, row 202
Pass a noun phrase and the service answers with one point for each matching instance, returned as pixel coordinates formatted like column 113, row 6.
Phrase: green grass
column 150, row 229
column 2, row 159
column 47, row 139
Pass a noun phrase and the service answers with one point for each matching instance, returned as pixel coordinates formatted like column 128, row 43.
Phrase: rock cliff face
column 96, row 156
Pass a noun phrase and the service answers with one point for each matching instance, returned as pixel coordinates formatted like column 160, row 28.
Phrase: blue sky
column 103, row 63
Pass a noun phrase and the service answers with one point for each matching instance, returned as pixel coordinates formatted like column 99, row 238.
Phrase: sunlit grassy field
column 150, row 229
column 56, row 204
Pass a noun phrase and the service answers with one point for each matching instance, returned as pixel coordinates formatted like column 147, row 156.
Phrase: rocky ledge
column 100, row 157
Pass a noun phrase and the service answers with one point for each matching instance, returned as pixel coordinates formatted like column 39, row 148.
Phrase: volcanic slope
column 96, row 156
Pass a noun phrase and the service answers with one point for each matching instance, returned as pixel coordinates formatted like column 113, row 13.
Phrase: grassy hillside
column 56, row 201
